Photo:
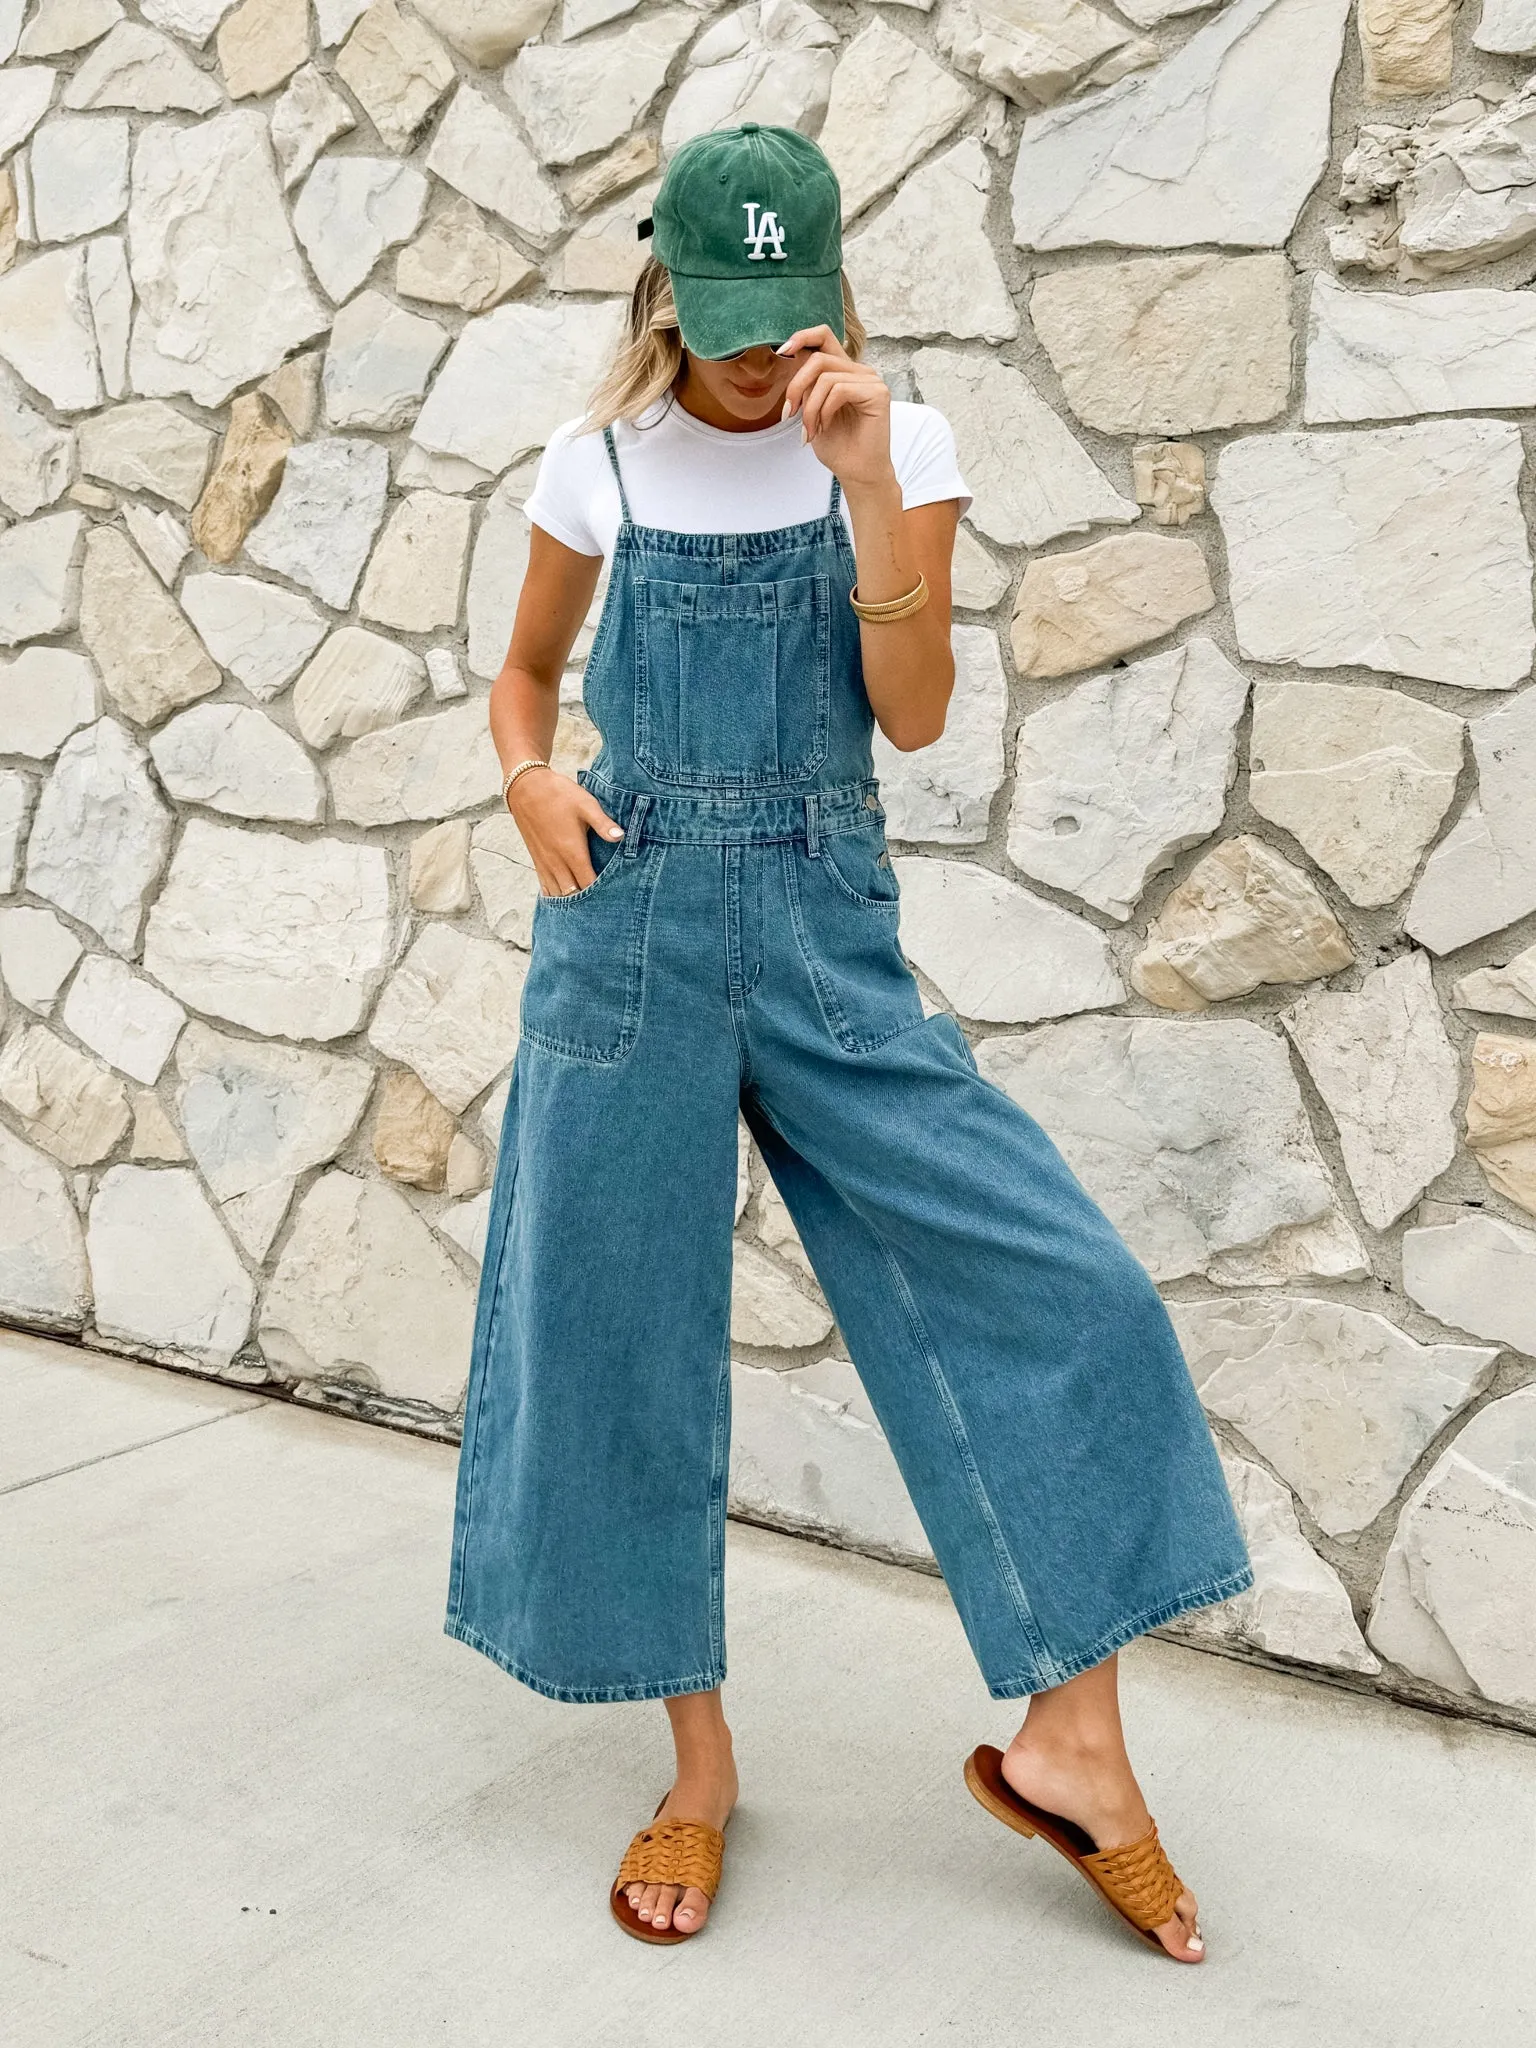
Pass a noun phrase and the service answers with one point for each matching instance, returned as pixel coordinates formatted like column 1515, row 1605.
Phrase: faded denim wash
column 739, row 948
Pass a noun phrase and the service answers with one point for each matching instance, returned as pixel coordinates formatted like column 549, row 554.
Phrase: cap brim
column 720, row 316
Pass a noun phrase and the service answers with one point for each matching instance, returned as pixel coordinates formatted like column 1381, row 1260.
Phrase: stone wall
column 1227, row 859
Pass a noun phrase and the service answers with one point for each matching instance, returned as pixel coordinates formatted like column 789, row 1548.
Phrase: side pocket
column 849, row 941
column 585, row 990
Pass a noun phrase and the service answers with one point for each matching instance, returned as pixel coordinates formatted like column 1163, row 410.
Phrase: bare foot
column 1091, row 1782
column 706, row 1794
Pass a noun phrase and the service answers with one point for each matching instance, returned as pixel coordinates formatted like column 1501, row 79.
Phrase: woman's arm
column 845, row 409
column 552, row 811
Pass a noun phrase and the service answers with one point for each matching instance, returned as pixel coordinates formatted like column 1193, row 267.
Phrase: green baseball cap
column 748, row 222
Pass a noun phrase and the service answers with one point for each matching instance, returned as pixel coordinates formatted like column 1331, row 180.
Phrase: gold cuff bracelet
column 890, row 609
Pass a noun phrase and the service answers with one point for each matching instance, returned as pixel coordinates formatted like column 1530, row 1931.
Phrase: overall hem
column 1208, row 1594
column 582, row 1695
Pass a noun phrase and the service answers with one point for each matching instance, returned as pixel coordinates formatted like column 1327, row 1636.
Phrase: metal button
column 884, row 861
column 871, row 803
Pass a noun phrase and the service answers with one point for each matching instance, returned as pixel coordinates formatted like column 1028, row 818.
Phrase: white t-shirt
column 692, row 478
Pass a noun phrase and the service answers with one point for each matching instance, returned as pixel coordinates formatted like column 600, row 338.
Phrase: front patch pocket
column 846, row 907
column 585, row 988
column 733, row 680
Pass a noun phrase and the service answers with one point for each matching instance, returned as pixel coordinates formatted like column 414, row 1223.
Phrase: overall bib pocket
column 584, row 992
column 733, row 680
column 845, row 901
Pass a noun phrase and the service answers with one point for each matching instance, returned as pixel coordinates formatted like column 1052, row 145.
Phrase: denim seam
column 1057, row 1670
column 583, row 1695
column 719, row 1471
column 472, row 1435
column 1007, row 1569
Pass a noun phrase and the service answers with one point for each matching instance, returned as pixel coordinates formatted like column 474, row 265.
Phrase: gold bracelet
column 888, row 610
column 522, row 767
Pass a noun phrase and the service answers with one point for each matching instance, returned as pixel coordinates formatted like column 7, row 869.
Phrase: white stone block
column 222, row 293
column 364, row 1294
column 129, row 1022
column 262, row 634
column 804, row 1456
column 1395, row 548
column 998, row 953
column 38, row 952
column 1032, row 480
column 324, row 517
column 44, row 1281
column 1380, row 1058
column 926, row 266
column 287, row 937
column 46, row 693
column 1132, row 767
column 450, row 1012
column 1191, row 1136
column 1341, row 1402
column 942, row 793
column 167, row 1278
column 101, row 834
column 1220, row 144
column 422, row 769
column 1456, row 1591
column 237, row 760
column 1482, row 875
column 475, row 410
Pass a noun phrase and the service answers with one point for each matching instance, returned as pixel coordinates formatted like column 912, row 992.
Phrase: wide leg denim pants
column 739, row 950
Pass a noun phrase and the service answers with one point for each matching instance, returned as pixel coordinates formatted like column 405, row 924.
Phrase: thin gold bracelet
column 888, row 610
column 534, row 761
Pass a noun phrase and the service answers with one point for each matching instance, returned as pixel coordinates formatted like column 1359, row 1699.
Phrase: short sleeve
column 923, row 453
column 562, row 496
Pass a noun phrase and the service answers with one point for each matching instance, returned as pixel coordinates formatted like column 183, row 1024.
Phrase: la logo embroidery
column 762, row 227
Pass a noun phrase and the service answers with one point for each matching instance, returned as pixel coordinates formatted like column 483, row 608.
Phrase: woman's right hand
column 554, row 813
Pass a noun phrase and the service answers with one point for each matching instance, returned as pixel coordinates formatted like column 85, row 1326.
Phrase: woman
column 717, row 929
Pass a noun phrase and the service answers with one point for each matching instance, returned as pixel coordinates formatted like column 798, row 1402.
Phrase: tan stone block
column 466, row 1167
column 1407, row 46
column 295, row 388
column 1077, row 610
column 1244, row 917
column 1169, row 344
column 262, row 43
column 439, row 879
column 1169, row 480
column 397, row 70
column 412, row 1132
column 245, row 477
column 154, row 1135
column 1501, row 1114
column 625, row 164
column 457, row 261
column 7, row 218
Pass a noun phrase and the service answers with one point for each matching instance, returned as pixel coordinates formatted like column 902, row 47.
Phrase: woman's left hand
column 844, row 408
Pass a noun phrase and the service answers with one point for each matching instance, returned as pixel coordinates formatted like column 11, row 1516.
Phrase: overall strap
column 837, row 497
column 618, row 474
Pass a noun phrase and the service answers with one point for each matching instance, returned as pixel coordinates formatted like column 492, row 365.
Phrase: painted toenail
column 1197, row 1943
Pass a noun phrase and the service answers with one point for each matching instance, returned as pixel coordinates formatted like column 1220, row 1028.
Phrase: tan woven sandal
column 1136, row 1882
column 680, row 1852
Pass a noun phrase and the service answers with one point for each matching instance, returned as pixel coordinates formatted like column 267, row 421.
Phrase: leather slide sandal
column 680, row 1852
column 1136, row 1882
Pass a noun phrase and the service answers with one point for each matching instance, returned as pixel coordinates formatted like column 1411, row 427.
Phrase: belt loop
column 812, row 826
column 632, row 831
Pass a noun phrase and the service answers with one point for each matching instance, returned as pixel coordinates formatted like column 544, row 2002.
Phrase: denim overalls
column 739, row 948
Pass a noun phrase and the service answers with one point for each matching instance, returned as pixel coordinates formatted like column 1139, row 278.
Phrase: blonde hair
column 650, row 357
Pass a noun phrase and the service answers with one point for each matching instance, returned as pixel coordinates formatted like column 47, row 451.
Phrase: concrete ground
column 250, row 1795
